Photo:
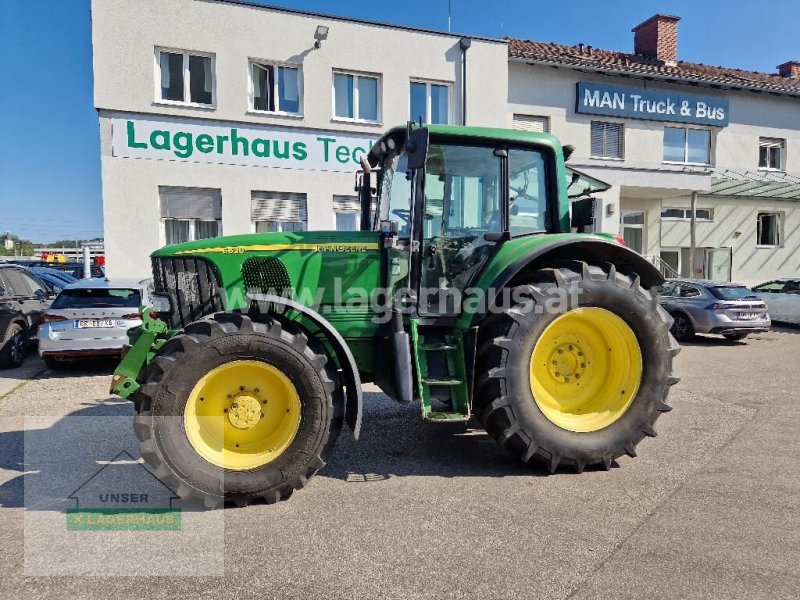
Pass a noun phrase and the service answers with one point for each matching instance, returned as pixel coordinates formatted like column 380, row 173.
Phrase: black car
column 23, row 297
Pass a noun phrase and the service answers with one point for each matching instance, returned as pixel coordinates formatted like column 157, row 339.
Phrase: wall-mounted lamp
column 611, row 208
column 320, row 34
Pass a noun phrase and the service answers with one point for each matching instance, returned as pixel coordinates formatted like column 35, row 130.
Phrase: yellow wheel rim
column 585, row 369
column 242, row 415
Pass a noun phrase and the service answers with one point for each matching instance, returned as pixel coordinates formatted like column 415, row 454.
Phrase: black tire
column 12, row 348
column 682, row 328
column 53, row 363
column 504, row 401
column 734, row 337
column 204, row 345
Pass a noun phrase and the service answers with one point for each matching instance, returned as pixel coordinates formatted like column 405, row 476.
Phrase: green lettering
column 183, row 144
column 159, row 139
column 276, row 149
column 325, row 143
column 221, row 143
column 261, row 147
column 356, row 151
column 132, row 143
column 205, row 143
column 299, row 151
column 342, row 154
column 236, row 140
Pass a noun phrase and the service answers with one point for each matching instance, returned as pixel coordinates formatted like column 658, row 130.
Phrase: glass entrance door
column 633, row 230
column 718, row 264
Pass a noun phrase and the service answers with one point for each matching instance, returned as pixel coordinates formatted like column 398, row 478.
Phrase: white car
column 90, row 318
column 783, row 299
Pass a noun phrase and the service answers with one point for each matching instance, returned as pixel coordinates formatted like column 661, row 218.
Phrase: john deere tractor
column 470, row 289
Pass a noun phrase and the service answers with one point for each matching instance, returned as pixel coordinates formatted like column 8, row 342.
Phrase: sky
column 49, row 147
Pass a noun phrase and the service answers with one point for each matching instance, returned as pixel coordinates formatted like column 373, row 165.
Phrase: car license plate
column 94, row 323
column 748, row 316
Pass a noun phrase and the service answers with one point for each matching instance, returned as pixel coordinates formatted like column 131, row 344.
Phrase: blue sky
column 49, row 154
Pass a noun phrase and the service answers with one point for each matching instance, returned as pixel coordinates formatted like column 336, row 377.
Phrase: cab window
column 527, row 191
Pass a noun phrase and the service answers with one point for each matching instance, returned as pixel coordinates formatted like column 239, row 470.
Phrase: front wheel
column 12, row 348
column 576, row 372
column 237, row 410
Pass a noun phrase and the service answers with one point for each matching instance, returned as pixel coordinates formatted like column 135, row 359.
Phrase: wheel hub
column 245, row 411
column 567, row 362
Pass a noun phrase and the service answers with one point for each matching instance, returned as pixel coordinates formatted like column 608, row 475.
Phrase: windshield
column 396, row 193
column 730, row 292
column 98, row 298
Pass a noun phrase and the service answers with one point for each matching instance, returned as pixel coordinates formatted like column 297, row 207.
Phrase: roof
column 97, row 283
column 705, row 282
column 755, row 184
column 610, row 61
column 295, row 11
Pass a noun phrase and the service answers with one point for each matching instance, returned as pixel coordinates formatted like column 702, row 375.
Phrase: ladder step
column 441, row 381
column 446, row 417
column 441, row 346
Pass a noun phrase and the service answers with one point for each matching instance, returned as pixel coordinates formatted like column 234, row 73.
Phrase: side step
column 441, row 375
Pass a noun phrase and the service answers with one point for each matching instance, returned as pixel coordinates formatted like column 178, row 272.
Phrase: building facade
column 219, row 117
column 670, row 135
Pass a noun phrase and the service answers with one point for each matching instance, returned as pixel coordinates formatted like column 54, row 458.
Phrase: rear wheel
column 578, row 370
column 682, row 328
column 12, row 349
column 237, row 410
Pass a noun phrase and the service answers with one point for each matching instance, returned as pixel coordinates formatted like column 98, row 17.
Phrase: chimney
column 657, row 37
column 790, row 69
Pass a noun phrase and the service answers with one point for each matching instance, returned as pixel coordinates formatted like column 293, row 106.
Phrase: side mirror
column 416, row 148
column 583, row 214
column 40, row 294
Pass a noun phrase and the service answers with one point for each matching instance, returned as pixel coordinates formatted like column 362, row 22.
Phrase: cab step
column 441, row 381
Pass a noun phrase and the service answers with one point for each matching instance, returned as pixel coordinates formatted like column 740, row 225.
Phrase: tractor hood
column 307, row 241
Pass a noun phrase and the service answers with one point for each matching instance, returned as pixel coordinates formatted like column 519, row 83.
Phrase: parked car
column 23, row 298
column 90, row 318
column 783, row 299
column 56, row 280
column 701, row 306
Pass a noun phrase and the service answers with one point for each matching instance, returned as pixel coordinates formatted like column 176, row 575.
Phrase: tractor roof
column 490, row 133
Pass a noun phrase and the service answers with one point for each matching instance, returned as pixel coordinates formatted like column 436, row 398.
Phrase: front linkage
column 145, row 342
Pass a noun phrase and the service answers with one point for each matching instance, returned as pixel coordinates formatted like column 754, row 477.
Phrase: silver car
column 90, row 318
column 783, row 299
column 700, row 306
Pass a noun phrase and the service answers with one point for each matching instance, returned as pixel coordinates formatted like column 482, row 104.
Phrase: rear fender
column 593, row 251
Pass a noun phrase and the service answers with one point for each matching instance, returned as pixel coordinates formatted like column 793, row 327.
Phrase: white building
column 735, row 148
column 219, row 117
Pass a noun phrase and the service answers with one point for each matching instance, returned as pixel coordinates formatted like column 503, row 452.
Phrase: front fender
column 352, row 379
column 530, row 254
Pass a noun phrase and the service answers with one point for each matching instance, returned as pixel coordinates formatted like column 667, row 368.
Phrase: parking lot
column 709, row 509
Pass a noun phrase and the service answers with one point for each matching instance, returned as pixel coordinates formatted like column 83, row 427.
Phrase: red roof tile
column 586, row 57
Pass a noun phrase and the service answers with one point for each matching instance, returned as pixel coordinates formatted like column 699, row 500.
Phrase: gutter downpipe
column 693, row 235
column 464, row 43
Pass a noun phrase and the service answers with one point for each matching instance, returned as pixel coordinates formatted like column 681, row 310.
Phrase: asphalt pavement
column 709, row 509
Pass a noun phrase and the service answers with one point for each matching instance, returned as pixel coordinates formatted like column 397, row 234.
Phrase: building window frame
column 192, row 235
column 186, row 77
column 254, row 63
column 606, row 126
column 776, row 229
column 356, row 75
column 686, row 161
column 429, row 83
column 686, row 214
column 520, row 118
column 773, row 146
column 639, row 226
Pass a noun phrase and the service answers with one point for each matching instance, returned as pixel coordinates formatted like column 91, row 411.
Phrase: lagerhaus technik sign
column 231, row 145
column 653, row 105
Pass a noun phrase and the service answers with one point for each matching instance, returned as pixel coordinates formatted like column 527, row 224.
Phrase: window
column 689, row 291
column 527, row 191
column 98, row 298
column 190, row 213
column 531, row 123
column 770, row 153
column 685, row 214
column 684, row 145
column 670, row 289
column 430, row 102
column 278, row 211
column 276, row 88
column 774, row 287
column 633, row 230
column 607, row 140
column 356, row 96
column 769, row 229
column 347, row 210
column 185, row 78
column 21, row 283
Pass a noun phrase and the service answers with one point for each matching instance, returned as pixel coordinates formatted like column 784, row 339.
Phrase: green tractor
column 465, row 290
